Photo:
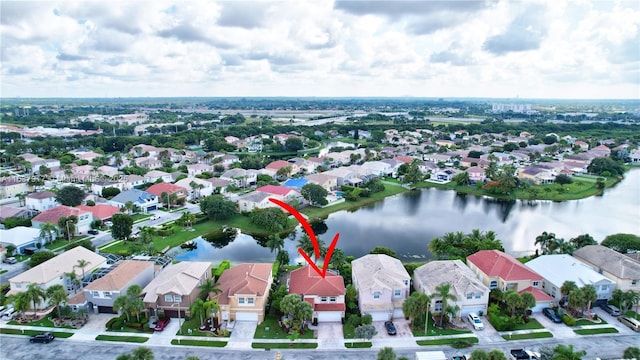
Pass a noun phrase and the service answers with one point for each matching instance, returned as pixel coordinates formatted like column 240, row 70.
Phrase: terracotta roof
column 305, row 281
column 41, row 195
column 244, row 279
column 158, row 189
column 537, row 293
column 504, row 266
column 119, row 277
column 330, row 307
column 275, row 189
column 78, row 299
column 52, row 215
column 100, row 211
column 278, row 164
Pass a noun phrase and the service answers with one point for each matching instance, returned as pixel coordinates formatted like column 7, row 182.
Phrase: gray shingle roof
column 620, row 265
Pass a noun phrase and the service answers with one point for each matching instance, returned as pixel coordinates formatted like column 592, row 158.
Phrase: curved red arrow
column 313, row 238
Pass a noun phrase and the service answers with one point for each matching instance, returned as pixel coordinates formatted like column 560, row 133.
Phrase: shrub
column 224, row 265
column 275, row 269
column 367, row 319
column 354, row 320
column 116, row 324
column 568, row 320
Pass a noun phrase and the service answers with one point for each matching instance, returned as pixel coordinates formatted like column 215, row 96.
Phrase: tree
column 413, row 174
column 548, row 242
column 271, row 218
column 462, row 178
column 631, row 352
column 415, row 307
column 293, row 144
column 443, row 292
column 110, row 192
column 528, row 301
column 383, row 250
column 315, row 194
column 366, row 331
column 44, row 171
column 513, row 301
column 299, row 310
column 217, row 207
column 567, row 287
column 70, row 196
column 283, row 172
column 496, row 354
column 306, row 245
column 582, row 241
column 48, row 231
column 57, row 296
column 562, row 352
column 207, row 287
column 20, row 302
column 164, row 198
column 122, row 226
column 74, row 280
column 68, row 226
column 479, row 354
column 275, row 243
column 35, row 294
column 82, row 263
column 605, row 166
column 386, row 353
column 563, row 179
column 40, row 257
column 140, row 353
column 622, row 242
column 197, row 310
column 590, row 295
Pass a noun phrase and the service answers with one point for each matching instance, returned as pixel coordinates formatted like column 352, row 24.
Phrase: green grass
column 140, row 217
column 606, row 330
column 358, row 345
column 533, row 324
column 61, row 243
column 3, row 271
column 434, row 331
column 132, row 339
column 199, row 343
column 348, row 331
column 449, row 341
column 632, row 314
column 44, row 322
column 534, row 335
column 583, row 322
column 194, row 325
column 58, row 334
column 289, row 345
column 275, row 331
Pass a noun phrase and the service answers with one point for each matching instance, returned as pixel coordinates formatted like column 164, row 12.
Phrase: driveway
column 330, row 335
column 242, row 334
column 402, row 329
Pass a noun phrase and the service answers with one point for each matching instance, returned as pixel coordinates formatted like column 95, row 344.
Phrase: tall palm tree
column 35, row 294
column 48, row 231
column 211, row 307
column 122, row 303
column 590, row 295
column 546, row 242
column 74, row 280
column 275, row 243
column 82, row 263
column 57, row 296
column 209, row 286
column 566, row 288
column 135, row 303
column 142, row 353
column 146, row 235
column 197, row 309
column 164, row 197
column 443, row 291
column 21, row 302
column 562, row 352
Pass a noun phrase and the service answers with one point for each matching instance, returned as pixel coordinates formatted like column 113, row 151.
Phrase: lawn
column 61, row 243
column 270, row 329
column 193, row 325
column 358, row 345
column 58, row 334
column 348, row 331
column 44, row 322
column 288, row 345
column 606, row 330
column 140, row 217
column 534, row 335
column 450, row 341
column 632, row 314
column 533, row 324
column 132, row 339
column 583, row 322
column 435, row 331
column 3, row 271
column 199, row 343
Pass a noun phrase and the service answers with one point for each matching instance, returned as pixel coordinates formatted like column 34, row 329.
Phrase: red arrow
column 313, row 238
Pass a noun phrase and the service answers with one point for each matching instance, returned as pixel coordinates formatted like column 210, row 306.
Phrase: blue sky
column 492, row 48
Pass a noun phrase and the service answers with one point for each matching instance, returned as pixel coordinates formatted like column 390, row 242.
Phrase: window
column 376, row 295
column 107, row 294
column 470, row 296
column 177, row 298
column 250, row 301
column 406, row 282
column 95, row 294
column 478, row 295
column 168, row 298
column 241, row 301
column 634, row 282
column 323, row 298
column 536, row 283
column 493, row 284
column 332, row 299
column 397, row 293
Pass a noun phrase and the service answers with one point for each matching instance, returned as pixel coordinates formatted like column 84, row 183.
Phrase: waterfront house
column 326, row 295
column 622, row 269
column 245, row 292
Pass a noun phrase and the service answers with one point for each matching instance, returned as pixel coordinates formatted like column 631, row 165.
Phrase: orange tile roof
column 244, row 279
column 52, row 215
column 277, row 165
column 504, row 266
column 537, row 293
column 100, row 211
column 169, row 188
column 305, row 281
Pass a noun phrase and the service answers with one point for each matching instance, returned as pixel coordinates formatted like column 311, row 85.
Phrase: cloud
column 235, row 14
column 71, row 57
column 451, row 57
column 188, row 33
column 525, row 32
column 397, row 9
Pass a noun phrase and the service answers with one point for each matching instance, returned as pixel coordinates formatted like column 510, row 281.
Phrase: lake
column 407, row 222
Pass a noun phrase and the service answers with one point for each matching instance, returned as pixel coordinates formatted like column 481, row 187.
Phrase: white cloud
column 536, row 48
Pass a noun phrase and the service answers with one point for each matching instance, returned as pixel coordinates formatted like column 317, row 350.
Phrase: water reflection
column 242, row 249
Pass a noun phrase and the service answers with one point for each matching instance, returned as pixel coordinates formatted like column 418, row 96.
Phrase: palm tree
column 513, row 301
column 211, row 307
column 275, row 243
column 547, row 242
column 122, row 303
column 57, row 296
column 47, row 231
column 142, row 353
column 590, row 295
column 164, row 197
column 197, row 309
column 129, row 206
column 386, row 353
column 74, row 280
column 20, row 302
column 576, row 299
column 567, row 287
column 146, row 235
column 35, row 294
column 136, row 305
column 443, row 292
column 209, row 286
column 562, row 352
column 415, row 306
column 82, row 263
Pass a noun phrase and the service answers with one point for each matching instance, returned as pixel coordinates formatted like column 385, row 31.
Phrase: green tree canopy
column 40, row 257
column 383, row 250
column 459, row 245
column 110, row 192
column 605, row 166
column 122, row 226
column 622, row 242
column 70, row 195
column 271, row 218
column 315, row 194
column 293, row 144
column 365, row 331
column 217, row 207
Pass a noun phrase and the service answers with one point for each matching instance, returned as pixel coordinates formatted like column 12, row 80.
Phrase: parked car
column 10, row 260
column 522, row 354
column 9, row 314
column 391, row 329
column 632, row 323
column 612, row 310
column 42, row 338
column 551, row 314
column 161, row 324
column 108, row 223
column 474, row 319
column 93, row 232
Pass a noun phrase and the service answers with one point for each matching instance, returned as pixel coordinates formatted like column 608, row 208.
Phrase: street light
column 179, row 327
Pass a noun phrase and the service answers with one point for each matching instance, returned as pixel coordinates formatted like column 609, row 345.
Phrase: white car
column 474, row 319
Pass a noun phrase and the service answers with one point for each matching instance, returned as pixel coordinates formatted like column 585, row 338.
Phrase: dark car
column 93, row 232
column 42, row 338
column 612, row 310
column 551, row 314
column 161, row 324
column 391, row 329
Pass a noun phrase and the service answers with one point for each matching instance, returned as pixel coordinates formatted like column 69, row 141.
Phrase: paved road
column 15, row 347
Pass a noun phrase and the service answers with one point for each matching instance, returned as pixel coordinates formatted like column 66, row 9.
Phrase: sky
column 494, row 48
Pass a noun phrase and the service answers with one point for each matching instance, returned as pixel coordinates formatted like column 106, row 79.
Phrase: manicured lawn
column 194, row 325
column 132, row 339
column 450, row 341
column 44, row 322
column 606, row 330
column 583, row 322
column 357, row 345
column 434, row 331
column 3, row 271
column 533, row 324
column 632, row 314
column 140, row 217
column 199, row 343
column 270, row 329
column 348, row 331
column 61, row 243
column 288, row 345
column 535, row 335
column 58, row 334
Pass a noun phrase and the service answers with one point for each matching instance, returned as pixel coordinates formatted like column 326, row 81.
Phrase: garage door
column 243, row 316
column 397, row 313
column 379, row 316
column 327, row 316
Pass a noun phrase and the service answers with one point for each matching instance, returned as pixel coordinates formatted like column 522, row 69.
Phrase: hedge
column 276, row 267
column 224, row 265
column 568, row 320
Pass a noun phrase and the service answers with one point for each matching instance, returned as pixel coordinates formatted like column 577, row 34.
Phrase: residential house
column 108, row 171
column 536, row 174
column 378, row 168
column 174, row 289
column 132, row 181
column 228, row 160
column 274, row 166
column 305, row 166
column 143, row 200
column 54, row 271
column 256, row 200
column 558, row 268
column 241, row 177
column 445, row 175
column 343, row 176
column 148, row 163
column 17, row 212
column 498, row 270
column 102, row 212
column 41, row 201
column 11, row 187
column 160, row 188
column 287, row 193
column 219, row 185
column 21, row 237
column 100, row 294
column 328, row 182
column 582, row 145
column 98, row 186
column 471, row 294
column 394, row 165
column 622, row 269
column 326, row 295
column 153, row 176
column 196, row 188
column 54, row 214
column 245, row 292
column 634, row 155
column 383, row 285
column 476, row 173
column 197, row 169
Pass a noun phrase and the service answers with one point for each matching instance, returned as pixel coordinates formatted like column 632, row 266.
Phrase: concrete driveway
column 330, row 335
column 242, row 334
column 402, row 329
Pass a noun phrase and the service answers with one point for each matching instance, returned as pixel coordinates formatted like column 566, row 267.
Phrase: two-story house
column 622, row 269
column 11, row 187
column 383, row 285
column 498, row 270
column 471, row 294
column 326, row 295
column 41, row 201
column 159, row 189
column 173, row 290
column 141, row 199
column 21, row 238
column 245, row 291
column 54, row 214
